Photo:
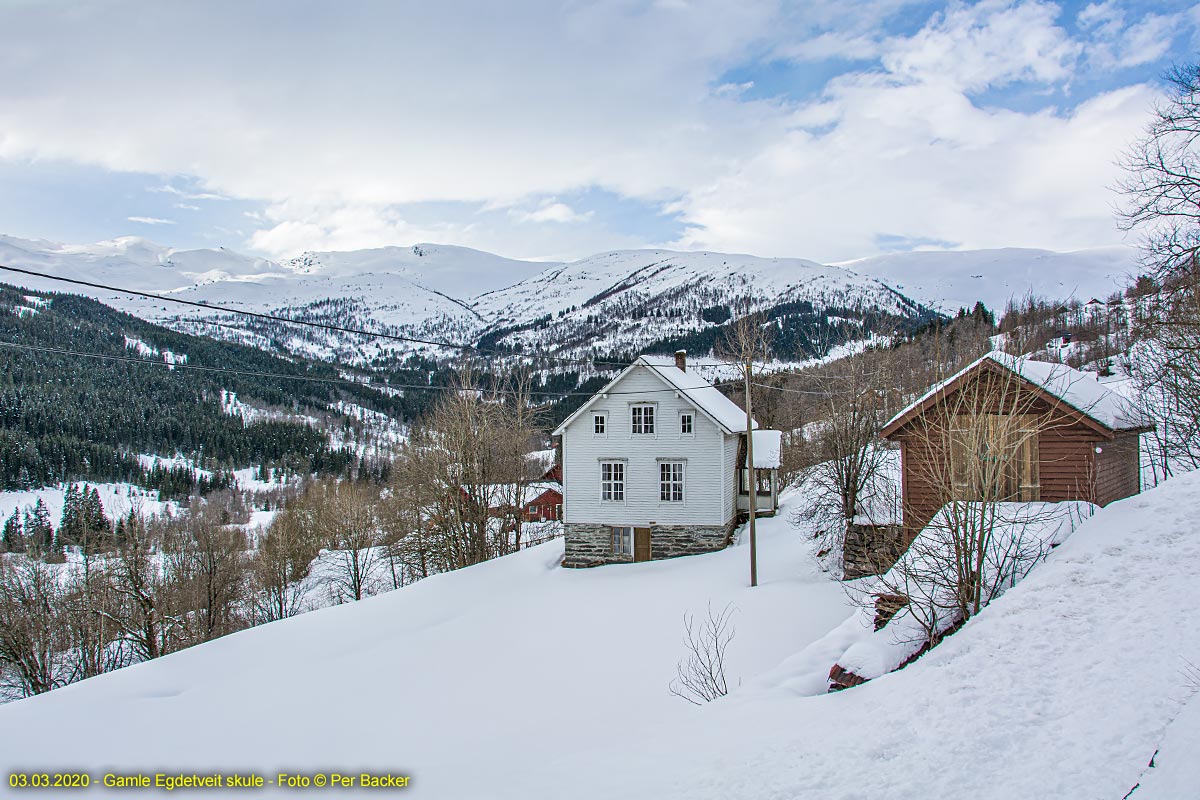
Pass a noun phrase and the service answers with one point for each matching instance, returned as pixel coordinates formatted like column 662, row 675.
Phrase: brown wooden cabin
column 1083, row 440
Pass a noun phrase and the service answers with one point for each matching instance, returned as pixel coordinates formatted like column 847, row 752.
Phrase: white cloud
column 168, row 189
column 1116, row 44
column 151, row 220
column 905, row 151
column 992, row 43
column 550, row 211
column 335, row 121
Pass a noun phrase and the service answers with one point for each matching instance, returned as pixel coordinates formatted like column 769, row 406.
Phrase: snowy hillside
column 625, row 299
column 394, row 289
column 539, row 678
column 957, row 279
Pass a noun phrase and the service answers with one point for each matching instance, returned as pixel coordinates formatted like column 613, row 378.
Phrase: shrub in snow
column 968, row 555
column 700, row 675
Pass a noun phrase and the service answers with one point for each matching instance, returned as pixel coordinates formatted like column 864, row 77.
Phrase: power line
column 309, row 323
column 336, row 329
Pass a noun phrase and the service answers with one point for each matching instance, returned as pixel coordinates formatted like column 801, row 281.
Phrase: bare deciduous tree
column 974, row 466
column 208, row 563
column 1162, row 202
column 34, row 637
column 147, row 612
column 845, row 476
column 279, row 566
column 465, row 471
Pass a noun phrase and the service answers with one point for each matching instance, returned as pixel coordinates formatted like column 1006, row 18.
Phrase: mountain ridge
column 614, row 301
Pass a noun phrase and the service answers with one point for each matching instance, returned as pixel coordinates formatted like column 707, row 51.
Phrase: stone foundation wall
column 589, row 545
column 871, row 549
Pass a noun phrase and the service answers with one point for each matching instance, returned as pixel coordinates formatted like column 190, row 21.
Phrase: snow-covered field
column 509, row 661
column 519, row 679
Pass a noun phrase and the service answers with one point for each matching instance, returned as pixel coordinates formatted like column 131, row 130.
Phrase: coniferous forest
column 67, row 417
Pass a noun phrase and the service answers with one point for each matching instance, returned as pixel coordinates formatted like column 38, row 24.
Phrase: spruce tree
column 13, row 538
column 39, row 533
column 97, row 529
column 95, row 520
column 71, row 526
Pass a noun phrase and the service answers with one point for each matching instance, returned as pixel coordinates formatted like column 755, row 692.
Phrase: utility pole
column 751, row 475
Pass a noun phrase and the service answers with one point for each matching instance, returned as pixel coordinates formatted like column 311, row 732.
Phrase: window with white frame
column 670, row 481
column 612, row 481
column 642, row 419
column 622, row 541
column 600, row 424
column 686, row 424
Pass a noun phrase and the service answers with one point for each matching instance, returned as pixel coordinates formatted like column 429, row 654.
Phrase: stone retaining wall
column 871, row 549
column 589, row 545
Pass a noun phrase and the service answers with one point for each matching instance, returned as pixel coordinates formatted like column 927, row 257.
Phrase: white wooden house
column 653, row 467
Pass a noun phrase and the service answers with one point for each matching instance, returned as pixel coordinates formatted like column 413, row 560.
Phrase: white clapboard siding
column 708, row 491
column 730, row 489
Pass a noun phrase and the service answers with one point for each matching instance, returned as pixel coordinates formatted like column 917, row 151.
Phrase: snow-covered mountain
column 949, row 280
column 619, row 301
column 624, row 299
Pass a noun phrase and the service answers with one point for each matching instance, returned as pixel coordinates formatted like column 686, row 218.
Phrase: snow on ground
column 236, row 408
column 1023, row 534
column 178, row 461
column 1175, row 772
column 519, row 679
column 508, row 661
column 1061, row 688
column 118, row 499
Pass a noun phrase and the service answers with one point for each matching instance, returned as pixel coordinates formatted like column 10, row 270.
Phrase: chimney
column 681, row 360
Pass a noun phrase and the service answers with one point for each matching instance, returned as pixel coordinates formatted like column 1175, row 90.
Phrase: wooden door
column 641, row 544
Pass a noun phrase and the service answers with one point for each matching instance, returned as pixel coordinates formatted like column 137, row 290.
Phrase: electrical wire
column 466, row 348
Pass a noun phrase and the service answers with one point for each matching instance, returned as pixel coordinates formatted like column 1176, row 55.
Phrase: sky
column 554, row 130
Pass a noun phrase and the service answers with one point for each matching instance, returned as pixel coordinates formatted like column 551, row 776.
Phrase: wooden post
column 752, row 483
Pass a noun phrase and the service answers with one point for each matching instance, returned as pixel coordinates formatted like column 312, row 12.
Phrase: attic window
column 643, row 418
column 686, row 424
column 599, row 424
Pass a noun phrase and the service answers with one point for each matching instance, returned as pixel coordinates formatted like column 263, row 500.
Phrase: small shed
column 1058, row 435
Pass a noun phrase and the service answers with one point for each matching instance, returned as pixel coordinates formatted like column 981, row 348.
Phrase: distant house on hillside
column 539, row 501
column 654, row 466
column 1050, row 433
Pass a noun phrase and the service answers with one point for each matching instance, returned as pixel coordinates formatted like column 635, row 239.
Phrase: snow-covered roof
column 690, row 384
column 708, row 398
column 1079, row 390
column 502, row 494
column 767, row 448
